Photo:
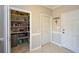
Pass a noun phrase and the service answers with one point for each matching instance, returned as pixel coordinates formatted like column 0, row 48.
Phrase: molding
column 5, row 33
column 62, row 46
column 51, row 28
column 52, row 7
column 19, row 9
column 56, row 43
column 35, row 34
column 35, row 48
column 72, row 51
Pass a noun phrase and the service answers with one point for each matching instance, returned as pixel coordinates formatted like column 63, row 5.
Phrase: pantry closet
column 20, row 31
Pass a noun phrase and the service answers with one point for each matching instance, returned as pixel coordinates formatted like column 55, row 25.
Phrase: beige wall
column 64, row 9
column 36, row 11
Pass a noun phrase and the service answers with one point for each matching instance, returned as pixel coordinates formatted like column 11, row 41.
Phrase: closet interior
column 20, row 31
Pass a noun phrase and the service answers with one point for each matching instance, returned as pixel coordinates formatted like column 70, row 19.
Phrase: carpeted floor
column 51, row 48
column 47, row 48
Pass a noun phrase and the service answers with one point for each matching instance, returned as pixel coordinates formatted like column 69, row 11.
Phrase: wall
column 1, row 20
column 1, row 46
column 57, row 13
column 63, row 9
column 56, row 30
column 1, row 27
column 36, row 11
column 67, row 9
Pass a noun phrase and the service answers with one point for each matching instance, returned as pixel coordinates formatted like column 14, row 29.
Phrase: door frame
column 7, row 22
column 43, row 14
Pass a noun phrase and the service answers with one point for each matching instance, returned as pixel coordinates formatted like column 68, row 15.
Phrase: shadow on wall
column 1, row 47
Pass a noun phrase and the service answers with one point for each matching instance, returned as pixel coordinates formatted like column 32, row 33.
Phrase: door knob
column 63, row 32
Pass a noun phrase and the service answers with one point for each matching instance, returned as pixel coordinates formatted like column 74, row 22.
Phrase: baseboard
column 62, row 46
column 56, row 43
column 72, row 51
column 35, row 48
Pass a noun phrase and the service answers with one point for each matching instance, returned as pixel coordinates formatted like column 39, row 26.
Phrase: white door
column 45, row 29
column 70, row 30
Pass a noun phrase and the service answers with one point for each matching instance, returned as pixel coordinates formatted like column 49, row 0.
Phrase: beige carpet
column 51, row 48
column 47, row 48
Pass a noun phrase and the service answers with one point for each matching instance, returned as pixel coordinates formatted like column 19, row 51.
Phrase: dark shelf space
column 20, row 28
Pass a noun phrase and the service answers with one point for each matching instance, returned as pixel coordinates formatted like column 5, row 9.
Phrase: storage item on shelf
column 20, row 28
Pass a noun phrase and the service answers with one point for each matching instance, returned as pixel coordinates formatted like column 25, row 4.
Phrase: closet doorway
column 19, row 31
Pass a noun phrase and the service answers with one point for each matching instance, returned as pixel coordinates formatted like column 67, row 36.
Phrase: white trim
column 56, row 43
column 19, row 9
column 40, row 31
column 35, row 34
column 5, row 29
column 9, row 30
column 8, row 21
column 62, row 46
column 51, row 28
column 35, row 48
column 30, row 30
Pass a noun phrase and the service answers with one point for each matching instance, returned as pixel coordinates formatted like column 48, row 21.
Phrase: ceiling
column 51, row 6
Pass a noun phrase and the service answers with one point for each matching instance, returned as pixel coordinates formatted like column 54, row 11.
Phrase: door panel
column 70, row 38
column 45, row 29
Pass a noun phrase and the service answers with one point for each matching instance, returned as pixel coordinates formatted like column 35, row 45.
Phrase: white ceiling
column 51, row 6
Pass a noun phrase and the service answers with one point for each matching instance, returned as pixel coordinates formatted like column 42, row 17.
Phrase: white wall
column 56, row 37
column 57, row 13
column 73, row 36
